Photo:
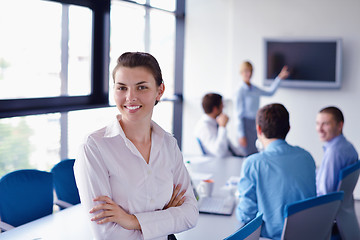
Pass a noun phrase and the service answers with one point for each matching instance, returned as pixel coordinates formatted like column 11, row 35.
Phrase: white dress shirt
column 214, row 138
column 109, row 164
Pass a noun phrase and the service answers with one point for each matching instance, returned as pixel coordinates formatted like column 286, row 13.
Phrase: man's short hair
column 335, row 112
column 273, row 120
column 210, row 101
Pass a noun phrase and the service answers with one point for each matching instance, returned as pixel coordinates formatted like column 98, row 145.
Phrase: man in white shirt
column 211, row 132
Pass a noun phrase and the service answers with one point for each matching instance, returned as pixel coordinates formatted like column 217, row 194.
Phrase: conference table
column 220, row 170
column 73, row 224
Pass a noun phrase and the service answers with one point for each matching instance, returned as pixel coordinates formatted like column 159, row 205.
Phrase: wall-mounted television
column 313, row 63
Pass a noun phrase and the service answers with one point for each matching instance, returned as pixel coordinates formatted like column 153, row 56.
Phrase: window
column 55, row 85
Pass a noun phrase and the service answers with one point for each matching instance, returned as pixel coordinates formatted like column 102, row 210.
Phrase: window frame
column 99, row 74
column 100, row 60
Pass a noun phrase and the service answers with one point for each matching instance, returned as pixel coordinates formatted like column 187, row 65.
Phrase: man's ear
column 340, row 126
column 215, row 108
column 258, row 130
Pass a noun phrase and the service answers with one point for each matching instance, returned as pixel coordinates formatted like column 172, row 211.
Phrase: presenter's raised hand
column 284, row 73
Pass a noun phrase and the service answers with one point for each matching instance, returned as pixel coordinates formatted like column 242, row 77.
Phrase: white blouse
column 109, row 164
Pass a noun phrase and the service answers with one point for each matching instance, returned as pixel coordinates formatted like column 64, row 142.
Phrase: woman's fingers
column 107, row 205
column 177, row 198
column 180, row 197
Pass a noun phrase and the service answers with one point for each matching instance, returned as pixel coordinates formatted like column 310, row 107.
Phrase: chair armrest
column 62, row 204
column 5, row 226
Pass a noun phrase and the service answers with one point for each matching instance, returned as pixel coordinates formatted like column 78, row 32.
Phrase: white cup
column 205, row 187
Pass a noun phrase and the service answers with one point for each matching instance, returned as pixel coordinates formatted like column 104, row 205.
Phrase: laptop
column 217, row 205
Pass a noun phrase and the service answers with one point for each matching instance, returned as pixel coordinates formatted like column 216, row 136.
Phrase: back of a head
column 210, row 101
column 273, row 120
column 335, row 112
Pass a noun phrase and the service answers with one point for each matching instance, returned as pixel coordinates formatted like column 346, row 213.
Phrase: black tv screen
column 312, row 63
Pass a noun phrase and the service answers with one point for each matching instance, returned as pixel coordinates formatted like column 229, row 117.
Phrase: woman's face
column 135, row 93
column 246, row 74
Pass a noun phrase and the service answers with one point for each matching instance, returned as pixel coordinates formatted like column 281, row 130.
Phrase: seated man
column 275, row 177
column 211, row 128
column 339, row 153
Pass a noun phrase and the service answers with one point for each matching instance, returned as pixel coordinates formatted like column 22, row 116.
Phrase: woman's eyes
column 139, row 88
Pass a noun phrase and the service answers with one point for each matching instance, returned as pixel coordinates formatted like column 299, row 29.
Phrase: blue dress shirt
column 280, row 175
column 339, row 153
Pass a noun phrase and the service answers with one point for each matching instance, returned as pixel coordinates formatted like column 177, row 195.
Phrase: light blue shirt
column 339, row 153
column 280, row 175
column 247, row 101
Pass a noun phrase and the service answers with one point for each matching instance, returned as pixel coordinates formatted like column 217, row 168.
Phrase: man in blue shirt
column 275, row 177
column 338, row 152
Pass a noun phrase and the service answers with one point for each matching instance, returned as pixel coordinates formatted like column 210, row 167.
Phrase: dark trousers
column 171, row 237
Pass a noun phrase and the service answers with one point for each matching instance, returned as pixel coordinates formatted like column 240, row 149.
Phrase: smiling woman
column 130, row 174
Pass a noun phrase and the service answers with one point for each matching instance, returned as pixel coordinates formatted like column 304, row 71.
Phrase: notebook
column 215, row 205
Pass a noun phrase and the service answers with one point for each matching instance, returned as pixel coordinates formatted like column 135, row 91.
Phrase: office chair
column 201, row 146
column 250, row 231
column 26, row 195
column 64, row 184
column 311, row 218
column 346, row 219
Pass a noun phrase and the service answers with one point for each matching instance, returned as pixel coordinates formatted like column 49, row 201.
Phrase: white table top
column 73, row 223
column 214, row 226
column 69, row 224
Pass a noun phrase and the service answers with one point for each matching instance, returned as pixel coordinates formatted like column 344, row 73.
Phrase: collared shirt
column 214, row 138
column 247, row 102
column 109, row 164
column 338, row 154
column 280, row 175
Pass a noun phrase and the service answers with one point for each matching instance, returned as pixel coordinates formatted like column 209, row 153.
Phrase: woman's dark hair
column 140, row 59
column 210, row 101
column 273, row 120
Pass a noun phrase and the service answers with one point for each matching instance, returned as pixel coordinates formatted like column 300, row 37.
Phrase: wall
column 220, row 34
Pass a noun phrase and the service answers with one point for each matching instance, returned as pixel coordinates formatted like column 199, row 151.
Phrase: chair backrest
column 26, row 195
column 201, row 146
column 250, row 231
column 311, row 218
column 64, row 182
column 346, row 218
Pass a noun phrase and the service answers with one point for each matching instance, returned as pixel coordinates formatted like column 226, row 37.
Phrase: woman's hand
column 111, row 212
column 284, row 73
column 177, row 199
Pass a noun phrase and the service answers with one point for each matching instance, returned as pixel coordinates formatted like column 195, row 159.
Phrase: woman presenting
column 247, row 101
column 130, row 174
